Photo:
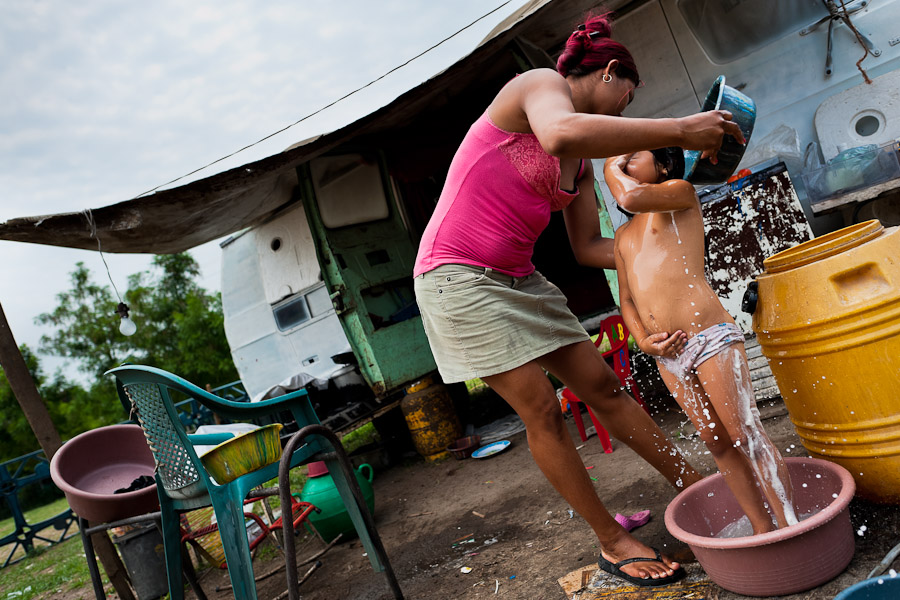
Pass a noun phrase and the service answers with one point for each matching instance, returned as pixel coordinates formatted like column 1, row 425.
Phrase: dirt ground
column 500, row 518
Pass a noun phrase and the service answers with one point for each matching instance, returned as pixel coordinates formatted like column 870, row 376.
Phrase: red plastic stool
column 618, row 358
column 570, row 400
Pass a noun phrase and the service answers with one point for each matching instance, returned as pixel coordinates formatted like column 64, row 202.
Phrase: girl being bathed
column 676, row 316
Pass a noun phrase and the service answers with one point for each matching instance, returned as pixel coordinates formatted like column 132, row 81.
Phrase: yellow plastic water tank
column 431, row 418
column 828, row 320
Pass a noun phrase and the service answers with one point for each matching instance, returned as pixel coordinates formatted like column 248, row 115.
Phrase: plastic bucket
column 144, row 557
column 828, row 319
column 877, row 588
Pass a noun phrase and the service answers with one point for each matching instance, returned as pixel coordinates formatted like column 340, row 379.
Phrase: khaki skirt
column 480, row 322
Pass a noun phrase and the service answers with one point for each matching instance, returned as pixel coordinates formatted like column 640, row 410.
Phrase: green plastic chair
column 183, row 483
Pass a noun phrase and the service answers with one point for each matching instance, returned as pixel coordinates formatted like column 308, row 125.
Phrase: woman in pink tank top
column 489, row 314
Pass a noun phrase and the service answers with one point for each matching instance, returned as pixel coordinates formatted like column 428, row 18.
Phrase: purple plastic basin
column 777, row 563
column 91, row 466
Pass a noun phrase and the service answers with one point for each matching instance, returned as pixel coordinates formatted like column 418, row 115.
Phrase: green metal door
column 367, row 258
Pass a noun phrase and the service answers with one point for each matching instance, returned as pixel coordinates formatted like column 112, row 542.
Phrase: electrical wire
column 327, row 106
column 90, row 219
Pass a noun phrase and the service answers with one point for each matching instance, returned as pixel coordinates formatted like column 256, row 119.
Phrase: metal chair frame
column 342, row 473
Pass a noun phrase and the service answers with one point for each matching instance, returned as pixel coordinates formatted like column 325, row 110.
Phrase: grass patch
column 358, row 438
column 35, row 515
column 47, row 571
column 473, row 385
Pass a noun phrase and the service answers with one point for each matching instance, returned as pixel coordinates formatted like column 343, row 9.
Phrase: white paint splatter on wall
column 746, row 222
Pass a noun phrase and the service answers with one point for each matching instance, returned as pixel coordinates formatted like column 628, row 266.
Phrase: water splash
column 675, row 226
column 763, row 457
column 743, row 528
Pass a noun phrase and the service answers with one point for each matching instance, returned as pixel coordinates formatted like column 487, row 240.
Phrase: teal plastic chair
column 183, row 483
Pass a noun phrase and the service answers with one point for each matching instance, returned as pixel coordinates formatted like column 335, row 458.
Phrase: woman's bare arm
column 540, row 102
column 583, row 225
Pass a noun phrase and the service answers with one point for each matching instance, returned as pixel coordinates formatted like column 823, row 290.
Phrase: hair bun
column 599, row 26
column 591, row 47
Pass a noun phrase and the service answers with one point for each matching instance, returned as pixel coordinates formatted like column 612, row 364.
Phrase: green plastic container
column 320, row 491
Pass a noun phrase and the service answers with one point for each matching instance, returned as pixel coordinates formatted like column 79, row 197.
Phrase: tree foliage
column 180, row 328
column 72, row 408
column 84, row 325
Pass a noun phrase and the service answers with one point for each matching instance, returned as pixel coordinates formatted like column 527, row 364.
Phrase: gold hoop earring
column 607, row 78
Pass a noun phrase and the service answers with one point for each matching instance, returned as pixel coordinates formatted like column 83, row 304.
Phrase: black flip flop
column 616, row 569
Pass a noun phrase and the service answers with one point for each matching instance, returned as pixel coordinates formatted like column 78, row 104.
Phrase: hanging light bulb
column 126, row 325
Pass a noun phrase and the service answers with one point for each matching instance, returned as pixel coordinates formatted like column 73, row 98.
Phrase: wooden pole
column 25, row 391
column 28, row 397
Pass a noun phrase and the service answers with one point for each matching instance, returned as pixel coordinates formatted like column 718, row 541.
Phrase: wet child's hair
column 672, row 160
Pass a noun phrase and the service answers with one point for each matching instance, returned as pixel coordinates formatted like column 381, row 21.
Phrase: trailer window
column 349, row 190
column 291, row 312
column 731, row 29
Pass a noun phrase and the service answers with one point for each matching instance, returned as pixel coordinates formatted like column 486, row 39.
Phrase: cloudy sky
column 104, row 100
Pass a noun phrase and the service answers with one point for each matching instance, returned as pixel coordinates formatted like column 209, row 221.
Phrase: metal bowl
column 743, row 111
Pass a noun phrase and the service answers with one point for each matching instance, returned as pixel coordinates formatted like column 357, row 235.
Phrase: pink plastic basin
column 91, row 466
column 785, row 561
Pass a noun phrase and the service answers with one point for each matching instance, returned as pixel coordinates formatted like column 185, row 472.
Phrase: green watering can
column 321, row 491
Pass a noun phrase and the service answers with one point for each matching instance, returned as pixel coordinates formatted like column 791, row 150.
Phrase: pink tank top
column 499, row 193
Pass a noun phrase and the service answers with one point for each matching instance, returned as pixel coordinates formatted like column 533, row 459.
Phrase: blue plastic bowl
column 743, row 110
column 877, row 588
